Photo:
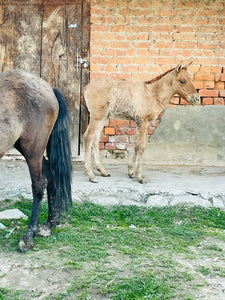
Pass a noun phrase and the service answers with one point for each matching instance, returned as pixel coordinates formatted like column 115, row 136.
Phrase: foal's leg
column 138, row 152
column 141, row 143
column 97, row 157
column 131, row 165
column 89, row 137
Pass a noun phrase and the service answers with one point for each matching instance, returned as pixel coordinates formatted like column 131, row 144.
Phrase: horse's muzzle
column 194, row 99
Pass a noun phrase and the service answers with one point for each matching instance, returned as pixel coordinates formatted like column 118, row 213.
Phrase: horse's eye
column 182, row 81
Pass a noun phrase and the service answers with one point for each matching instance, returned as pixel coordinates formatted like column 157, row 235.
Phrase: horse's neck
column 162, row 91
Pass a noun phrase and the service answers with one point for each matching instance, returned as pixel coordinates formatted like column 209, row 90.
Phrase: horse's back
column 21, row 87
column 27, row 103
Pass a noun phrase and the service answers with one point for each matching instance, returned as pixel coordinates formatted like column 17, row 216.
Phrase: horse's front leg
column 140, row 147
column 27, row 241
column 131, row 165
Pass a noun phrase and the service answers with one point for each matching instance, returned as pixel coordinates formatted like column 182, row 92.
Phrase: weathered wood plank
column 20, row 37
column 59, row 61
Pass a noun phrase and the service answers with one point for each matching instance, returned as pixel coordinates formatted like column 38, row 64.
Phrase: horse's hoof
column 131, row 175
column 24, row 246
column 143, row 180
column 44, row 231
column 94, row 180
column 106, row 175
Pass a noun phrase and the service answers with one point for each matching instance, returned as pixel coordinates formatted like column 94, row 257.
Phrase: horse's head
column 183, row 85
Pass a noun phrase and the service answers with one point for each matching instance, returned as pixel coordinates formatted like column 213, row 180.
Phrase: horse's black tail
column 59, row 155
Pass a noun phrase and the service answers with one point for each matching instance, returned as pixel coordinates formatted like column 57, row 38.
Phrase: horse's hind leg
column 53, row 207
column 38, row 185
column 97, row 157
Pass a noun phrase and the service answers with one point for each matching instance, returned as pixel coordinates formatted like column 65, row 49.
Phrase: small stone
column 2, row 226
column 14, row 213
column 132, row 226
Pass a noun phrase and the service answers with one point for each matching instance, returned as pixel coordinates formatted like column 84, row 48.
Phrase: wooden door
column 50, row 38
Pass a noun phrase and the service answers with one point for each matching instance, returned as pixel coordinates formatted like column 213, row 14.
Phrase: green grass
column 110, row 260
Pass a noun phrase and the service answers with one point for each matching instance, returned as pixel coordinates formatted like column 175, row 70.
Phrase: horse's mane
column 159, row 77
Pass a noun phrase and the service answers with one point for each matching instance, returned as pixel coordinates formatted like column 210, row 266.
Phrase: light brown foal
column 138, row 101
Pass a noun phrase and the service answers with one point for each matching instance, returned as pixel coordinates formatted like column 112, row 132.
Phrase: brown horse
column 33, row 117
column 138, row 101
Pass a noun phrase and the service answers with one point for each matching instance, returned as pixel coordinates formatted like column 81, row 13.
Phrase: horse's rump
column 28, row 106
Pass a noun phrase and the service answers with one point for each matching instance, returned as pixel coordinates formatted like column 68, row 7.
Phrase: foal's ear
column 179, row 68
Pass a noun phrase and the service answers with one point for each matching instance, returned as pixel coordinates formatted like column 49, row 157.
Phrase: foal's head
column 183, row 85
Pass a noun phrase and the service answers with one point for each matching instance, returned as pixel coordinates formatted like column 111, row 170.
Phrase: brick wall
column 139, row 39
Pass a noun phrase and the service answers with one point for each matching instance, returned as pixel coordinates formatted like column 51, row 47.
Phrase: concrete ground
column 167, row 185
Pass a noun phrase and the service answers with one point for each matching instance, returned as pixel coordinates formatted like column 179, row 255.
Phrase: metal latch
column 81, row 60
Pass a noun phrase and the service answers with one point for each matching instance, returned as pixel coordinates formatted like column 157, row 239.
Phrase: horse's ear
column 179, row 68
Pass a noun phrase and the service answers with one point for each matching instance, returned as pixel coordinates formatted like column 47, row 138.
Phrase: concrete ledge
column 192, row 186
column 189, row 135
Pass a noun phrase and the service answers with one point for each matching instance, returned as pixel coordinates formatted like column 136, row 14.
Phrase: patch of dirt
column 207, row 265
column 43, row 274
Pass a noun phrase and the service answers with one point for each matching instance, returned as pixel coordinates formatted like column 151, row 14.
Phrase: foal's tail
column 59, row 154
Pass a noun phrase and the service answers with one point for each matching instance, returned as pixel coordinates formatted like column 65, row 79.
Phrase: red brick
column 184, row 102
column 186, row 45
column 217, row 69
column 99, row 27
column 119, row 123
column 150, row 130
column 109, row 130
column 104, row 139
column 109, row 3
column 222, row 77
column 116, row 44
column 218, row 101
column 209, row 84
column 222, row 93
column 217, row 77
column 133, row 124
column 121, row 28
column 207, row 101
column 132, row 68
column 110, row 146
column 110, row 52
column 101, row 146
column 198, row 84
column 208, row 93
column 118, row 139
column 165, row 60
column 131, row 131
column 99, row 60
column 205, row 70
column 219, row 85
column 200, row 77
column 175, row 100
column 155, row 123
column 120, row 131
